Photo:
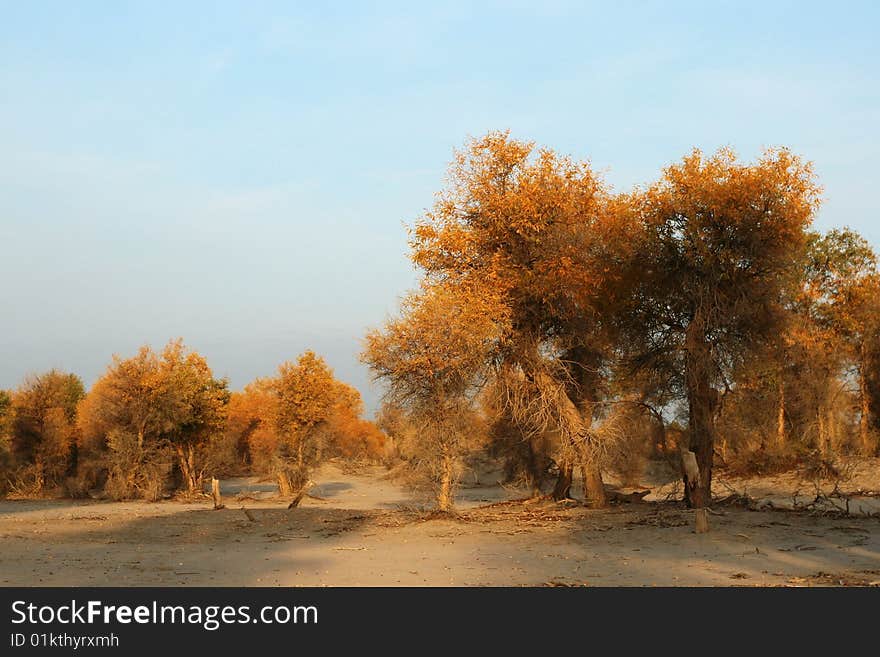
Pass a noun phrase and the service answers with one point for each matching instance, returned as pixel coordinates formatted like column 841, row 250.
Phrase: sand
column 367, row 531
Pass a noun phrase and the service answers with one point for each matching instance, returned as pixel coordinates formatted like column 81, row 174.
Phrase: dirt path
column 366, row 531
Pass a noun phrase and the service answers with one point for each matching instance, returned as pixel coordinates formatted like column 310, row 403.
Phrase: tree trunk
column 594, row 488
column 195, row 477
column 186, row 456
column 821, row 435
column 562, row 489
column 576, row 423
column 661, row 444
column 39, row 478
column 444, row 495
column 533, row 470
column 702, row 403
column 780, row 415
column 867, row 449
column 285, row 487
column 72, row 459
column 831, row 429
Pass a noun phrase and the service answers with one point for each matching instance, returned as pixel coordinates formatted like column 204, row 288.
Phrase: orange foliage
column 303, row 404
column 250, row 421
column 170, row 398
column 532, row 222
column 43, row 427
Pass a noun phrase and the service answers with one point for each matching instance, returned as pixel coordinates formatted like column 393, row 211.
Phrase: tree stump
column 215, row 493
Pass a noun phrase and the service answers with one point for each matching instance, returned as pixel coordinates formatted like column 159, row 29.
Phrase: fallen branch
column 637, row 496
column 299, row 496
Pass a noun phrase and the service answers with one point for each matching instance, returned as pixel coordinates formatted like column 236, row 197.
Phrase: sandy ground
column 367, row 531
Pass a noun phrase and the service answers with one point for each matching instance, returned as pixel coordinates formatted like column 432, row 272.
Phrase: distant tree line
column 697, row 316
column 156, row 423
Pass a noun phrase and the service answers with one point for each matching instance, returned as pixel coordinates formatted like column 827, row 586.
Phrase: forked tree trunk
column 186, row 457
column 285, row 487
column 702, row 403
column 574, row 435
column 577, row 424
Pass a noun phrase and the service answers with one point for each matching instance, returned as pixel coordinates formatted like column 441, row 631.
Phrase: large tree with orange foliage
column 720, row 241
column 544, row 229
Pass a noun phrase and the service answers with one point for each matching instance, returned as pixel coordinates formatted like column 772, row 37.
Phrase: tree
column 863, row 333
column 286, row 425
column 759, row 423
column 5, row 440
column 121, row 423
column 348, row 434
column 151, row 402
column 872, row 382
column 719, row 244
column 195, row 406
column 539, row 226
column 43, row 437
column 842, row 291
column 128, row 397
column 250, row 423
column 305, row 394
column 400, row 435
column 433, row 359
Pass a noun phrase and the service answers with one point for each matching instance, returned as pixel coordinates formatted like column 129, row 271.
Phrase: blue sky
column 239, row 174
